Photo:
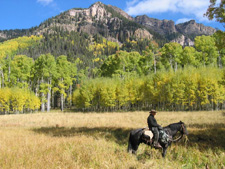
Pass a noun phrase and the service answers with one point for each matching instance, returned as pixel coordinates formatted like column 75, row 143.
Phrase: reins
column 179, row 138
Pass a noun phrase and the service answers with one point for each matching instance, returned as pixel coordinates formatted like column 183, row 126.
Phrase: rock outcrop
column 3, row 36
column 184, row 41
column 163, row 27
column 183, row 33
column 142, row 33
column 193, row 28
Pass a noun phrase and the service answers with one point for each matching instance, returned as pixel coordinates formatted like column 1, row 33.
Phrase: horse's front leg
column 164, row 152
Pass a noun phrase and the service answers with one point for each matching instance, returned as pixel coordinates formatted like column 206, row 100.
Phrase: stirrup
column 157, row 146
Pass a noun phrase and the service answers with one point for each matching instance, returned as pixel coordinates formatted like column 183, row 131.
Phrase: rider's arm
column 153, row 122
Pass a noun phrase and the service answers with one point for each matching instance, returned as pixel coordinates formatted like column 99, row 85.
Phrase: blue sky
column 22, row 14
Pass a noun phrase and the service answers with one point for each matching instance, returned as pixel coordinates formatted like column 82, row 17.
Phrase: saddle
column 148, row 132
column 147, row 136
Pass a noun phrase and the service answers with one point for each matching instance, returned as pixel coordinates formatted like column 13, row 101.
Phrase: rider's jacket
column 152, row 122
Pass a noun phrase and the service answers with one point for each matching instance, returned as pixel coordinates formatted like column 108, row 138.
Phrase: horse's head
column 183, row 128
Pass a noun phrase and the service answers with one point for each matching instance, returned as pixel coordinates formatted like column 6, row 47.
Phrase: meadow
column 99, row 140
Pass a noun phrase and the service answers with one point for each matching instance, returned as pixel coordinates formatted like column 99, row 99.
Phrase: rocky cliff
column 184, row 41
column 163, row 27
column 183, row 33
column 193, row 28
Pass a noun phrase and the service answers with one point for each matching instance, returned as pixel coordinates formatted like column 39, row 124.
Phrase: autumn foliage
column 116, row 77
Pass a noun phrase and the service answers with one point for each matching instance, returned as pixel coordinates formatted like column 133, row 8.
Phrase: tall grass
column 99, row 140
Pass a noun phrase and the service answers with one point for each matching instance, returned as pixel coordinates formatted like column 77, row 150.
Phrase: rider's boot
column 157, row 145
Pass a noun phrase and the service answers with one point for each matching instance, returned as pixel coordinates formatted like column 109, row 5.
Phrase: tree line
column 187, row 89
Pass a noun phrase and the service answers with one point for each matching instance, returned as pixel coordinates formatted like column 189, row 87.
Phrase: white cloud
column 45, row 2
column 149, row 6
column 131, row 3
column 187, row 7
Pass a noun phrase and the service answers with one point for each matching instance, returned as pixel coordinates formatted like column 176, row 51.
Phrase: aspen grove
column 111, row 77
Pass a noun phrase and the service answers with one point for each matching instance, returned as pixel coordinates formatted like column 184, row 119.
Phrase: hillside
column 115, row 25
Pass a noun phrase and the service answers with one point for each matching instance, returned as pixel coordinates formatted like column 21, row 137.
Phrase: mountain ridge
column 116, row 25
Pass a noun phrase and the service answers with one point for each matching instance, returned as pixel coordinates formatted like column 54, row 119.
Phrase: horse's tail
column 129, row 148
column 134, row 140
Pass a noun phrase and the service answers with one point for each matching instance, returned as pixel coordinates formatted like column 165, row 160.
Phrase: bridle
column 180, row 137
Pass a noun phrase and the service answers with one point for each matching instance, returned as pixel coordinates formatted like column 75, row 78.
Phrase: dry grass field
column 99, row 140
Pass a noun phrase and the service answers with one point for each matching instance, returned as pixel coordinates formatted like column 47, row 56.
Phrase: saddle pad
column 148, row 133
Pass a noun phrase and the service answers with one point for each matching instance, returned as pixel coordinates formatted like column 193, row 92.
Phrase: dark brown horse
column 137, row 136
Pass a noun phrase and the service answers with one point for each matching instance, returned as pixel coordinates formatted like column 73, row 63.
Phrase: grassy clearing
column 99, row 140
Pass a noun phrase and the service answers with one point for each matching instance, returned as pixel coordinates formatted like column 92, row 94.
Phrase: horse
column 138, row 136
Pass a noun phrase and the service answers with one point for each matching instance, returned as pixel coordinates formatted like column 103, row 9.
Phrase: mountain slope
column 97, row 19
column 115, row 25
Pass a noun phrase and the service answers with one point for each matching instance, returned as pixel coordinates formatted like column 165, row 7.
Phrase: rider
column 152, row 124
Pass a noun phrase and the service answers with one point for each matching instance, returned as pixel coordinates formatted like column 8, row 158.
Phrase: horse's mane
column 174, row 125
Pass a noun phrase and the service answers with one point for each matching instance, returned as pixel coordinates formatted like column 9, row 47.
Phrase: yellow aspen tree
column 5, row 95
